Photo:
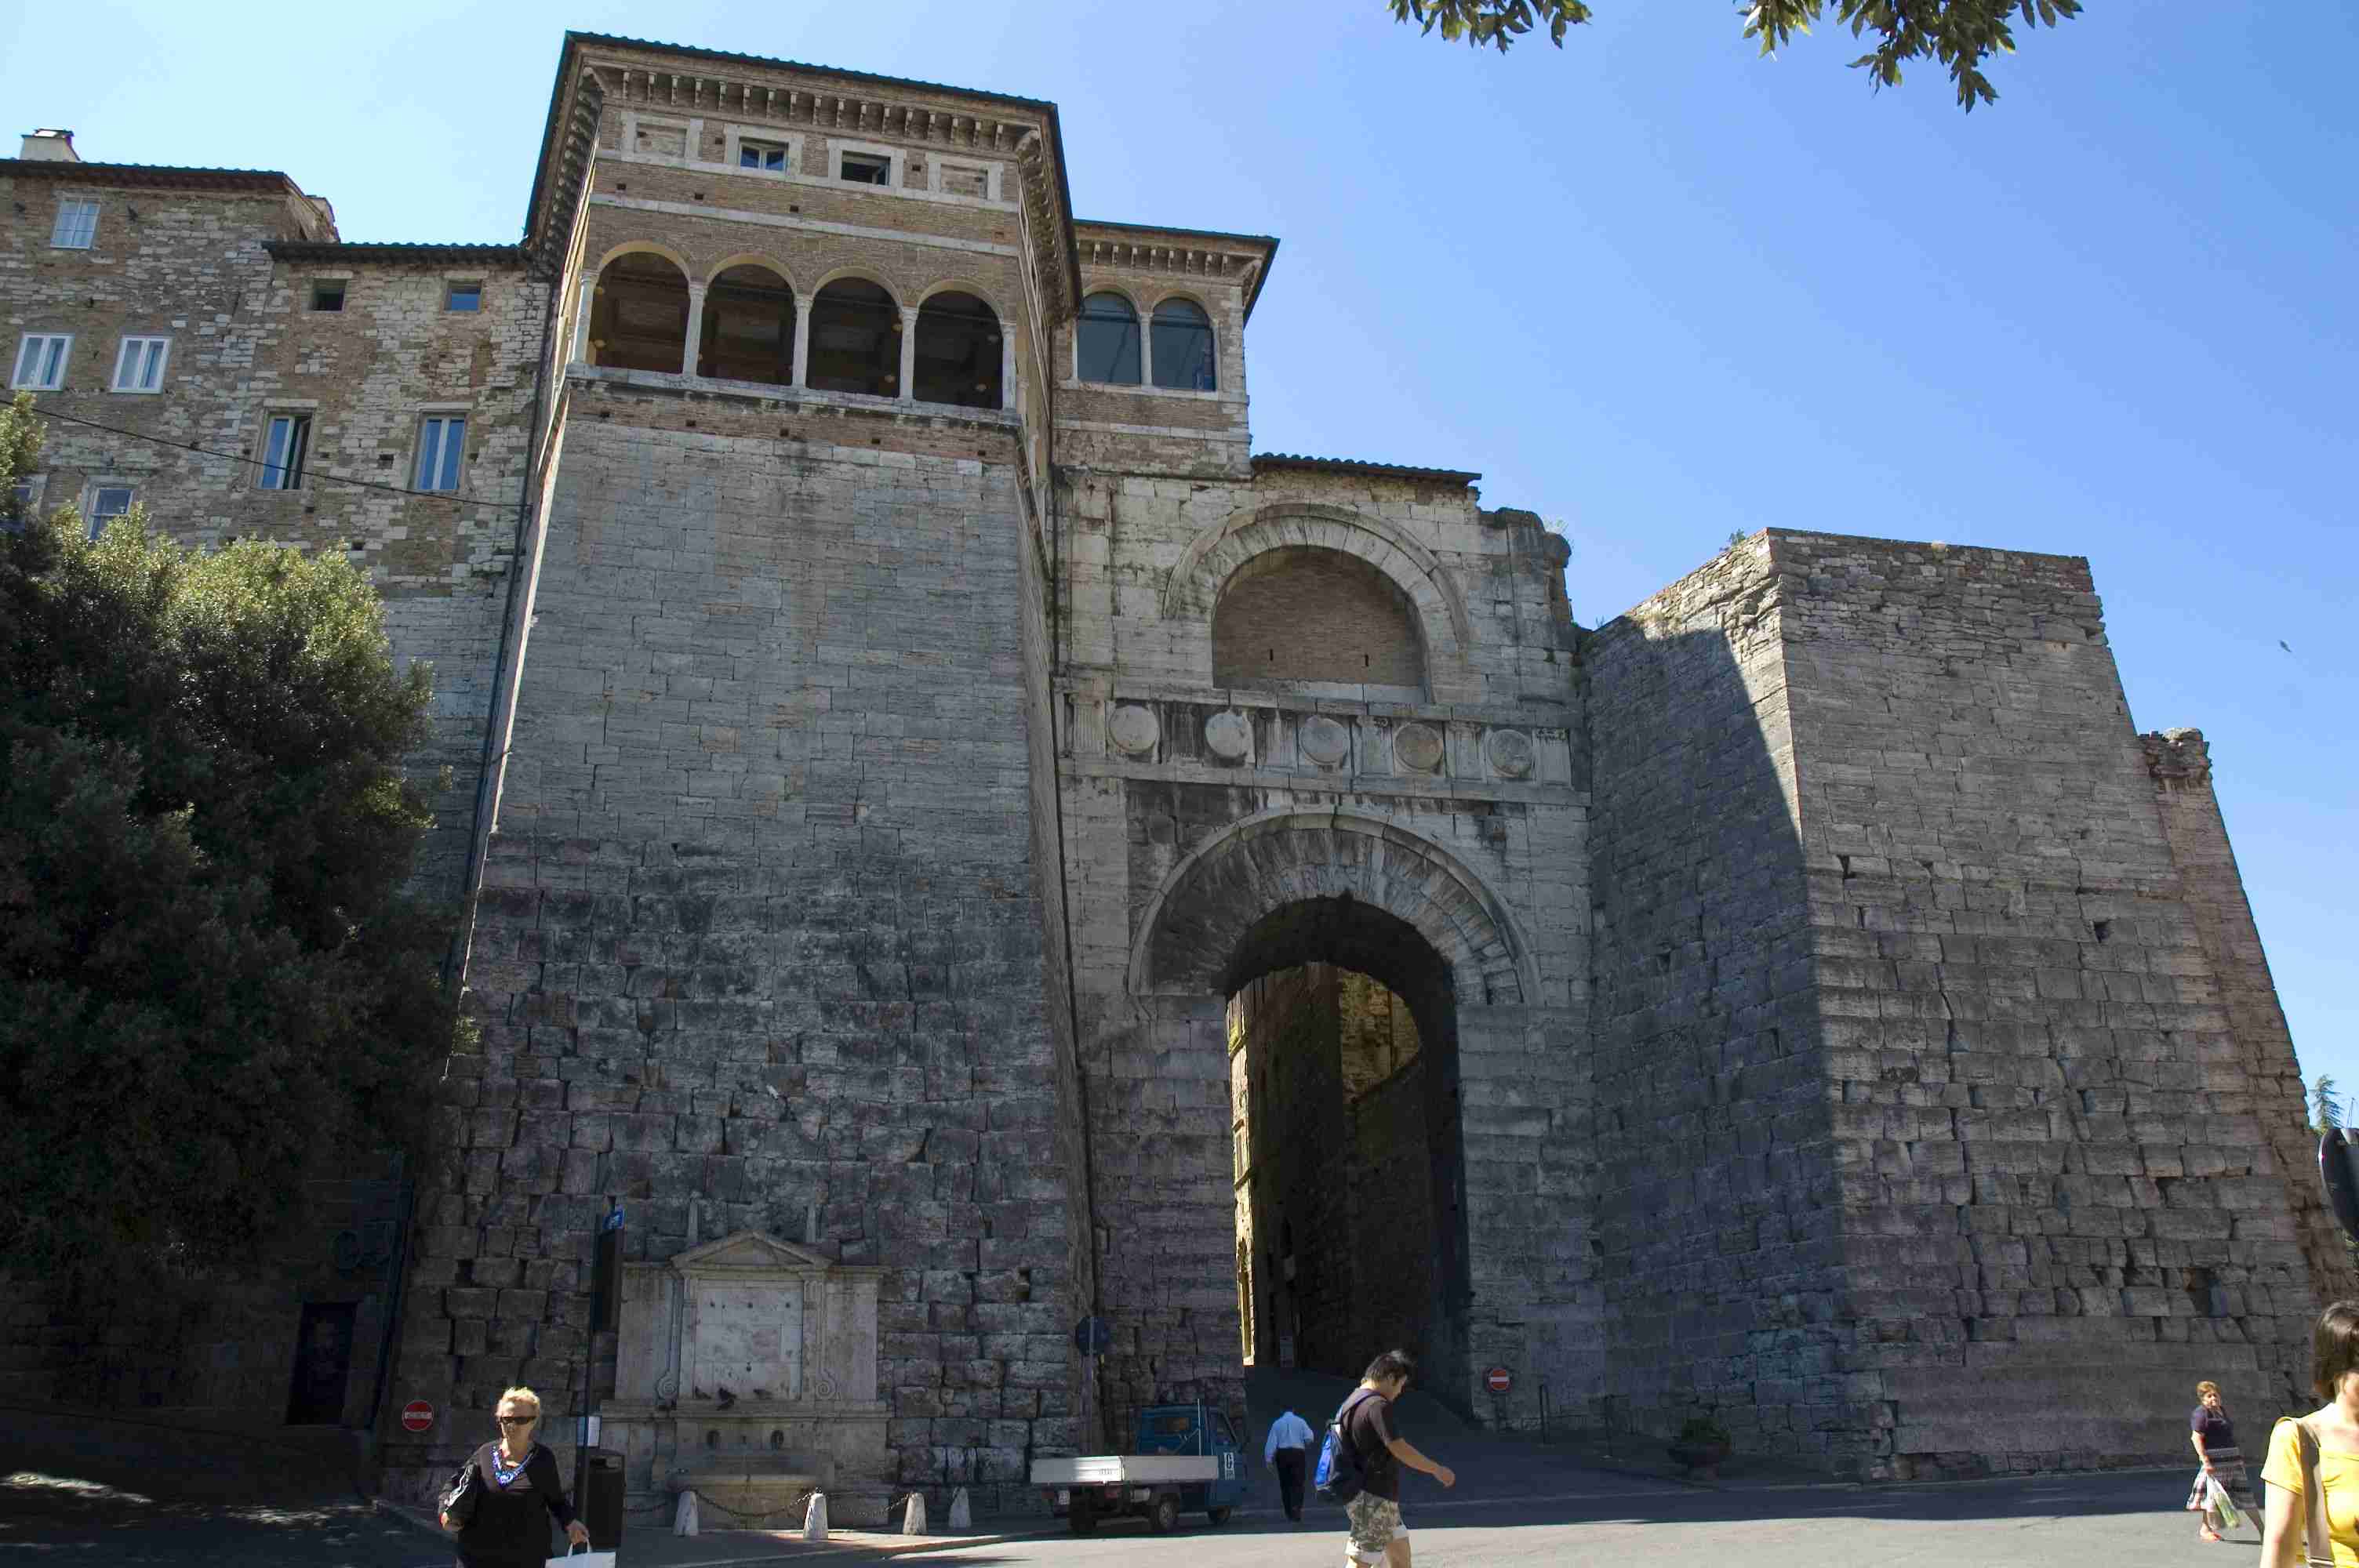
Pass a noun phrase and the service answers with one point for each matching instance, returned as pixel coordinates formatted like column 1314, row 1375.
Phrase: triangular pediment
column 749, row 1249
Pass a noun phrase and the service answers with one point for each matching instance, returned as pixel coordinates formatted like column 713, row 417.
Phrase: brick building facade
column 934, row 767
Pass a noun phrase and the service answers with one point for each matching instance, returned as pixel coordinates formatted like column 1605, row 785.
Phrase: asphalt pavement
column 74, row 1512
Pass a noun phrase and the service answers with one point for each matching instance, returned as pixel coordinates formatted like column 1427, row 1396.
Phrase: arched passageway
column 855, row 340
column 638, row 315
column 1341, row 1032
column 749, row 328
column 1306, row 978
column 958, row 351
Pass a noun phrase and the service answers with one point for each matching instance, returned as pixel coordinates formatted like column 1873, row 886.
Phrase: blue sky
column 1650, row 285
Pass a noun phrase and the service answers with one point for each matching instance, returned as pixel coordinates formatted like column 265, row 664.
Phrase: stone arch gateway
column 1246, row 1190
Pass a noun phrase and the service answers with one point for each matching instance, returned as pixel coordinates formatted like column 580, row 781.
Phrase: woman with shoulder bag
column 2313, row 1466
column 2220, row 1471
column 496, row 1503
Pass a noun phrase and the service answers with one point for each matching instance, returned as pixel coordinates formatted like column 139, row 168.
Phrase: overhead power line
column 312, row 478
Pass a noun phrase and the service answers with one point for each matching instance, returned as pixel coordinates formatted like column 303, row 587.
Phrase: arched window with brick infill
column 855, row 340
column 1106, row 348
column 638, row 317
column 1301, row 616
column 1184, row 356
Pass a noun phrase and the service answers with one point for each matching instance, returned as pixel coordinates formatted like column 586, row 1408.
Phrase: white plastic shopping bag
column 582, row 1557
column 2222, row 1508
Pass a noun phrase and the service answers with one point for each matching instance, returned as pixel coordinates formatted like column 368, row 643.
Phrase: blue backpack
column 1337, row 1478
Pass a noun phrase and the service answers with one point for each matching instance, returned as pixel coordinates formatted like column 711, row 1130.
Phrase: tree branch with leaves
column 1960, row 35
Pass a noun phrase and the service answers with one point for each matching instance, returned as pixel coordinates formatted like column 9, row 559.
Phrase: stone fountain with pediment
column 746, row 1372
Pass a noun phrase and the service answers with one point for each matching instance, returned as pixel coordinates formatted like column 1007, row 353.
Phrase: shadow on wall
column 1716, row 1237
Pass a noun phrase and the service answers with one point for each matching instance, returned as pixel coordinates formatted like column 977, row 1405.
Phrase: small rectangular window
column 139, row 366
column 328, row 294
column 107, row 503
column 23, row 500
column 282, row 454
column 866, row 168
column 41, row 362
column 769, row 156
column 442, row 442
column 464, row 297
column 77, row 227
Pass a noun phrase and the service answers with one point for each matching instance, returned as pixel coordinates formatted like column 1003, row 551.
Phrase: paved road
column 2110, row 1521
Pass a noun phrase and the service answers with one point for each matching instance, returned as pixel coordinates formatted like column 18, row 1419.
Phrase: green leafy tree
column 2325, row 1105
column 1958, row 34
column 215, row 981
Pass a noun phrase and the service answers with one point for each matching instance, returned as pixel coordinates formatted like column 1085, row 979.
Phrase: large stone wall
column 2067, row 1168
column 760, row 928
column 1718, row 1254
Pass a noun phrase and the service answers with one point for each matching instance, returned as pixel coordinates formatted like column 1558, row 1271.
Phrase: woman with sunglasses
column 516, row 1477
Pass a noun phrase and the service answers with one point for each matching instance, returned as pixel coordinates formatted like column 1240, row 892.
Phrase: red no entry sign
column 1497, row 1380
column 416, row 1416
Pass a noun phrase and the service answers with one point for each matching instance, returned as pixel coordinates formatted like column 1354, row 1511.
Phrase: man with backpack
column 1359, row 1465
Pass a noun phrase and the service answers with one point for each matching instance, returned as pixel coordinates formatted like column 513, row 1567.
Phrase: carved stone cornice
column 1238, row 260
column 869, row 114
column 573, row 144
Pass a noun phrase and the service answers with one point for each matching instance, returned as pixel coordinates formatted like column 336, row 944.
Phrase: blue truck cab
column 1185, row 1459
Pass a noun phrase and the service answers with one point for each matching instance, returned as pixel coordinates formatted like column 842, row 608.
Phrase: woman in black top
column 2214, row 1437
column 515, row 1479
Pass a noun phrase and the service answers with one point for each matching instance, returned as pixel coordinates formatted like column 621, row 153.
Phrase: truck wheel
column 1083, row 1514
column 1218, row 1515
column 1163, row 1514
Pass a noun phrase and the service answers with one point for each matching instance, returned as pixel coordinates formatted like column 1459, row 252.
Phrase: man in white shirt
column 1286, row 1453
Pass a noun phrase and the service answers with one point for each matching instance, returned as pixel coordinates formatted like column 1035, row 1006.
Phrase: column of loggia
column 688, row 351
column 908, row 384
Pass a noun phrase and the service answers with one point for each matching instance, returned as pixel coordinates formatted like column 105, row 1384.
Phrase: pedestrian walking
column 1373, row 1518
column 2219, row 1460
column 495, row 1501
column 1286, row 1453
column 2313, row 1464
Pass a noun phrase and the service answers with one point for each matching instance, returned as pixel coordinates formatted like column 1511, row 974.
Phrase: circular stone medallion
column 1418, row 747
column 1511, row 752
column 1324, row 741
column 1133, row 730
column 1228, row 737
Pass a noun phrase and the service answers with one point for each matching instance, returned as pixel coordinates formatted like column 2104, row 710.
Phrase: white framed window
column 21, row 503
column 284, row 452
column 77, row 226
column 462, row 295
column 442, row 448
column 139, row 364
column 41, row 362
column 866, row 163
column 106, row 500
column 769, row 157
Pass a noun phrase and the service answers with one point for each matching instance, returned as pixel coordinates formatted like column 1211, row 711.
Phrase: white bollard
column 684, row 1522
column 913, row 1518
column 815, row 1518
column 962, row 1511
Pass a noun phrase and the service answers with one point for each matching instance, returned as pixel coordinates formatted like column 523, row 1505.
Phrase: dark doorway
column 323, row 1365
column 1344, row 1083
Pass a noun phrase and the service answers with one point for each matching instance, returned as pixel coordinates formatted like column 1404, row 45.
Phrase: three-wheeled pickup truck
column 1188, row 1459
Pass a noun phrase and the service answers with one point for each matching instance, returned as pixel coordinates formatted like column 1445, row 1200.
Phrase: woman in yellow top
column 2335, row 1365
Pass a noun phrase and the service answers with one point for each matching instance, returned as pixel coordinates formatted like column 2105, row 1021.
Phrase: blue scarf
column 505, row 1473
